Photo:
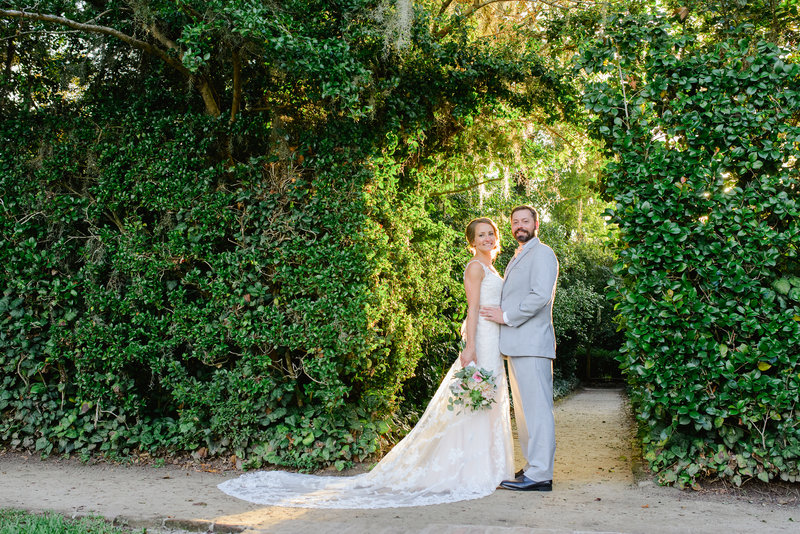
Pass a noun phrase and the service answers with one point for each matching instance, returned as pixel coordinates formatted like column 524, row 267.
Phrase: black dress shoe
column 523, row 483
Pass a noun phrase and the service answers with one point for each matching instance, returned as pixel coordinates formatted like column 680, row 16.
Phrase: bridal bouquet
column 472, row 388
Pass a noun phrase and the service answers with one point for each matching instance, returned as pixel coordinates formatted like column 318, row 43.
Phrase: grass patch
column 19, row 522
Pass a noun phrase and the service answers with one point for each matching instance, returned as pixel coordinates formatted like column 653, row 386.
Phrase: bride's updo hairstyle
column 471, row 234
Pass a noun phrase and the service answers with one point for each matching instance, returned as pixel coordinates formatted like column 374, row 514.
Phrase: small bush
column 16, row 522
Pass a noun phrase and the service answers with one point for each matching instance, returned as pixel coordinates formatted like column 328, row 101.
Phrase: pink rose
column 477, row 377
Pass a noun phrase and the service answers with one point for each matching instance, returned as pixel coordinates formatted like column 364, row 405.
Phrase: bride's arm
column 472, row 287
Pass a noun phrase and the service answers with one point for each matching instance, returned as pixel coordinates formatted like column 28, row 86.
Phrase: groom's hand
column 492, row 313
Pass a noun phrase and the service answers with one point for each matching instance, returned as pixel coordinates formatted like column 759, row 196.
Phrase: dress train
column 448, row 456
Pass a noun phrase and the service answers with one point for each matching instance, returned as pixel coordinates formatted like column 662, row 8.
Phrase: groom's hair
column 531, row 209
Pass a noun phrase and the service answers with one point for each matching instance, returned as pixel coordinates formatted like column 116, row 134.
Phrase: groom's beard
column 522, row 236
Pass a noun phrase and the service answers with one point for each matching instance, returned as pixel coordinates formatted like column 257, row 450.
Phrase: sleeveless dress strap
column 485, row 268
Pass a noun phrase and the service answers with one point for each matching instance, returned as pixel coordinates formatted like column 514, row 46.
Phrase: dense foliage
column 704, row 134
column 223, row 228
column 554, row 168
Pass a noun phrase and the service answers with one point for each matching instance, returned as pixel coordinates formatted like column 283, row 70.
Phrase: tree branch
column 445, row 5
column 163, row 39
column 203, row 85
column 11, row 50
column 36, row 32
column 467, row 188
column 102, row 30
column 480, row 5
column 475, row 7
column 98, row 16
column 554, row 132
column 237, row 83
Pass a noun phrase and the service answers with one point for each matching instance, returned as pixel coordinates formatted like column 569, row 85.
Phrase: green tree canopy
column 221, row 220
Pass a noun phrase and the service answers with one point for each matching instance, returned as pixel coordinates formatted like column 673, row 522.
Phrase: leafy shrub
column 260, row 282
column 704, row 136
column 145, row 308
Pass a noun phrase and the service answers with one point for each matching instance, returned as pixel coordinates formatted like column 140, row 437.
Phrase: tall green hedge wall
column 152, row 299
column 706, row 141
column 234, row 255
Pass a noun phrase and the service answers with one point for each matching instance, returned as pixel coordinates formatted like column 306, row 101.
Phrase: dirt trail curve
column 594, row 491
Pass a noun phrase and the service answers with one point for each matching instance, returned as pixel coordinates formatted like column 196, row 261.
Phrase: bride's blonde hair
column 470, row 232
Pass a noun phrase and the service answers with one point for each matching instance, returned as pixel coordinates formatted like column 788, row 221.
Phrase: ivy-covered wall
column 705, row 136
column 228, row 248
column 153, row 299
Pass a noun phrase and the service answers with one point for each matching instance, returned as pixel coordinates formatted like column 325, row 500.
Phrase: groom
column 528, row 342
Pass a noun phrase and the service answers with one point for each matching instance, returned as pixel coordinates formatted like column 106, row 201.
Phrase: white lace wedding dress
column 447, row 456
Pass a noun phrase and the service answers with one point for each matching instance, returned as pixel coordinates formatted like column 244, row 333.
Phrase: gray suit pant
column 531, row 379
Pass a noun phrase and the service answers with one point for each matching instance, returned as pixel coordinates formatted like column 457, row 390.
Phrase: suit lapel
column 509, row 266
column 515, row 261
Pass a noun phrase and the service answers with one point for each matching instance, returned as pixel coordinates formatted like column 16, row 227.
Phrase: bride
column 449, row 455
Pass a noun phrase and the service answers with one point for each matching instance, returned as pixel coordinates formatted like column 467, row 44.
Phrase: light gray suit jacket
column 527, row 301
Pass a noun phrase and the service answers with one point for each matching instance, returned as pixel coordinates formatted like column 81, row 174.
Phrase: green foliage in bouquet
column 472, row 388
column 705, row 140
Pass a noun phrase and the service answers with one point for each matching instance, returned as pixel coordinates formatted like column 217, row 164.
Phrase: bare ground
column 599, row 486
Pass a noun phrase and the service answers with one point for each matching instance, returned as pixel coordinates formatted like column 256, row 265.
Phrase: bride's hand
column 468, row 356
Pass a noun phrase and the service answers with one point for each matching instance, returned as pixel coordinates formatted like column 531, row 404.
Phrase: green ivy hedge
column 148, row 305
column 705, row 179
column 238, row 256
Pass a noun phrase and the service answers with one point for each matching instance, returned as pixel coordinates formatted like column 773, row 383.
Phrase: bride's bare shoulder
column 474, row 266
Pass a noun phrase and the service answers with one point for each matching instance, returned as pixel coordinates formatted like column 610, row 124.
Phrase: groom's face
column 523, row 226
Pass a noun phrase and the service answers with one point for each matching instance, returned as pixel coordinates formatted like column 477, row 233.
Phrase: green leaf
column 782, row 286
column 383, row 427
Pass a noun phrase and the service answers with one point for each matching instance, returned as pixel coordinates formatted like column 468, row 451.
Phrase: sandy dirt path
column 595, row 490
